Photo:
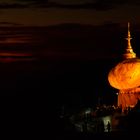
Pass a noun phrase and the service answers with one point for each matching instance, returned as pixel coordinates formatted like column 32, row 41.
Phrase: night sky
column 56, row 53
column 51, row 12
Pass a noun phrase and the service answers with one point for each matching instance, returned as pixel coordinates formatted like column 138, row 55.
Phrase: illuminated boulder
column 125, row 77
column 126, row 74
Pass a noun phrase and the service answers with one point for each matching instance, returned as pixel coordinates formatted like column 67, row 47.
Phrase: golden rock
column 126, row 74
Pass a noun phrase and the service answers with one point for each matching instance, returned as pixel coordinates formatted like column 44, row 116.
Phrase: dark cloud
column 80, row 6
column 110, row 3
column 34, row 1
column 13, row 5
column 9, row 24
column 23, row 4
column 98, row 4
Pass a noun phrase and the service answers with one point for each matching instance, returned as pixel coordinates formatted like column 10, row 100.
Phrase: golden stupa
column 125, row 77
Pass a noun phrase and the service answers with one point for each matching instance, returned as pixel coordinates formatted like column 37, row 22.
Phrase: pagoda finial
column 129, row 51
column 129, row 37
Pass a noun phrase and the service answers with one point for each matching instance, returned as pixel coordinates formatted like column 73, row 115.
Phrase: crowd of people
column 91, row 119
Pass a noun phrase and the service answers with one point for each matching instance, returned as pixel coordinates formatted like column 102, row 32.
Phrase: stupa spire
column 129, row 50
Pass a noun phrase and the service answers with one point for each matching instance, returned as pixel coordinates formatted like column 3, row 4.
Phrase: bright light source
column 106, row 120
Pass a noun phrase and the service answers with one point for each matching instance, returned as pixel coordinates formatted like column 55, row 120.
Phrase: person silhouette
column 108, row 126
